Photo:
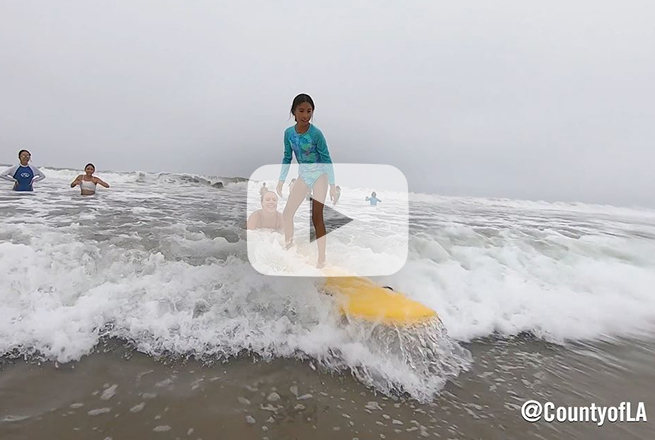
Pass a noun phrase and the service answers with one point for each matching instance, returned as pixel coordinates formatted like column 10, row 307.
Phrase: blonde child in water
column 268, row 217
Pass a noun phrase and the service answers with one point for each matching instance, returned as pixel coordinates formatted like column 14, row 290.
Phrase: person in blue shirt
column 307, row 143
column 373, row 199
column 23, row 175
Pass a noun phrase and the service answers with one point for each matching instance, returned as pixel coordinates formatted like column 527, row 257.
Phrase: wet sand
column 117, row 393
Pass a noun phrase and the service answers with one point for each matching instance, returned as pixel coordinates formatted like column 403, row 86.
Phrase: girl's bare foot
column 320, row 264
column 289, row 244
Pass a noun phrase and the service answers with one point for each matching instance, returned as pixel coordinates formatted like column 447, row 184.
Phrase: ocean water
column 159, row 262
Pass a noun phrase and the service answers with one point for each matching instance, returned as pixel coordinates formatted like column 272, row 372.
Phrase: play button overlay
column 332, row 218
column 365, row 216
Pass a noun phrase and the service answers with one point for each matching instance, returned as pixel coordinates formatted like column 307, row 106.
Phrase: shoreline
column 120, row 393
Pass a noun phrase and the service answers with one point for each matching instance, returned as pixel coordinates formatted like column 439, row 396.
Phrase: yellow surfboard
column 362, row 298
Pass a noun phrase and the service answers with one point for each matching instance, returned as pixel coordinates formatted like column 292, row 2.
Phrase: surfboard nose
column 362, row 298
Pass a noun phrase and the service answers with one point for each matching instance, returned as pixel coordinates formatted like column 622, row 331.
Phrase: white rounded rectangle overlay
column 367, row 227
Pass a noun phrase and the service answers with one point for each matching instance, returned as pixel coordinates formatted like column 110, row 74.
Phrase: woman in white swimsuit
column 268, row 217
column 88, row 181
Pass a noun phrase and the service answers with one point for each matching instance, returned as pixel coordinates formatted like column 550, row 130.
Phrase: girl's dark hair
column 85, row 166
column 21, row 152
column 303, row 97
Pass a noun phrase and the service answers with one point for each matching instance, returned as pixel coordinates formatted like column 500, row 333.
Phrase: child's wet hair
column 303, row 97
column 23, row 151
column 89, row 165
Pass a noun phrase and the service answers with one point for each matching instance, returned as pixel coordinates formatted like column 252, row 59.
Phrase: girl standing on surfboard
column 306, row 141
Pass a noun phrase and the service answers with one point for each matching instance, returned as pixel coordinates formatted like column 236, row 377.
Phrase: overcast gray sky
column 541, row 100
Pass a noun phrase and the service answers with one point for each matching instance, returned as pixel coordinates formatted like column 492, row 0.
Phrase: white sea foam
column 160, row 260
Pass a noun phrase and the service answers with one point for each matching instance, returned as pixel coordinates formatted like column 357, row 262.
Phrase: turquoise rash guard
column 311, row 151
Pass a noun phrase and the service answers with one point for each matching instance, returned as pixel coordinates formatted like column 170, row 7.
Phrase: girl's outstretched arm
column 286, row 164
column 8, row 174
column 77, row 181
column 324, row 154
column 286, row 159
column 38, row 175
column 102, row 182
